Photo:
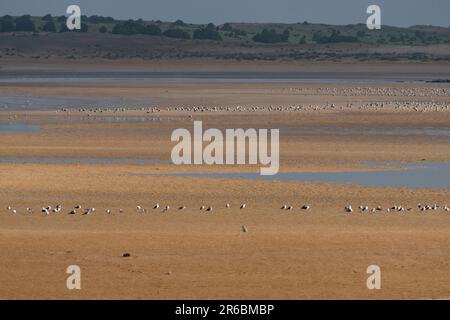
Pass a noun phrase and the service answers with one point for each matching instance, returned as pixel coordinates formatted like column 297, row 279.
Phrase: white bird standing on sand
column 202, row 207
column 167, row 208
column 284, row 207
column 243, row 205
column 156, row 206
column 9, row 208
column 306, row 207
column 227, row 205
column 349, row 209
column 29, row 210
column 182, row 208
column 209, row 209
column 108, row 211
column 89, row 211
column 244, row 229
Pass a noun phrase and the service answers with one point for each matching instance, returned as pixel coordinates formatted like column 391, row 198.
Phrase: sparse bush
column 227, row 27
column 177, row 33
column 49, row 27
column 7, row 24
column 207, row 33
column 179, row 23
column 271, row 36
column 63, row 28
column 24, row 23
column 47, row 17
column 153, row 30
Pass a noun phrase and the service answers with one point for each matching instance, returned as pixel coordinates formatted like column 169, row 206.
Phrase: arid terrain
column 124, row 162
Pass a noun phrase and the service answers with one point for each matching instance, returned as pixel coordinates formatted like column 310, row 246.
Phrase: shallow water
column 219, row 77
column 412, row 175
column 17, row 127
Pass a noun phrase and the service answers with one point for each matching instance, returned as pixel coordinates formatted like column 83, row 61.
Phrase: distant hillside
column 106, row 38
column 298, row 33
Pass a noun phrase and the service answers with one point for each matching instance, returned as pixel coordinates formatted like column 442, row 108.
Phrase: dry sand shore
column 190, row 254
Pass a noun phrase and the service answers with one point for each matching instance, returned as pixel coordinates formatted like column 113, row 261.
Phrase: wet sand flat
column 191, row 254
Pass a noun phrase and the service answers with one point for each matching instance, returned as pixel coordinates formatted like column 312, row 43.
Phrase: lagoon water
column 123, row 77
column 17, row 127
column 411, row 175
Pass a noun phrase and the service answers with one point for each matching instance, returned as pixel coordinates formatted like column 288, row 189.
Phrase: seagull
column 120, row 210
column 72, row 212
column 14, row 211
column 227, row 205
column 182, row 208
column 9, row 208
column 284, row 207
column 29, row 210
column 305, row 207
column 156, row 206
column 244, row 229
column 209, row 209
column 243, row 205
column 108, row 211
column 89, row 211
column 166, row 209
column 77, row 207
column 202, row 207
column 290, row 208
column 349, row 209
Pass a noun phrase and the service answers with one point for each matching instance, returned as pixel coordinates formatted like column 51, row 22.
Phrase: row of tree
column 129, row 27
column 271, row 36
column 25, row 24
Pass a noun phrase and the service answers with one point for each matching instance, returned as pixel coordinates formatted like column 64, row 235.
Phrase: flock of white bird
column 78, row 209
column 398, row 208
column 416, row 106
